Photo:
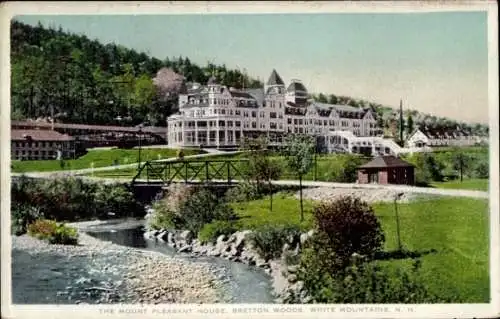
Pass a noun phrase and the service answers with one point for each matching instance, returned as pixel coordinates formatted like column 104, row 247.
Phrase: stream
column 244, row 284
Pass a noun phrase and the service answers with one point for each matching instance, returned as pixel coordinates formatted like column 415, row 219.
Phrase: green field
column 471, row 184
column 456, row 228
column 99, row 158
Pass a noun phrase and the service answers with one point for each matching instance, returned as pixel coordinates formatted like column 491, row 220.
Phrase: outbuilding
column 387, row 170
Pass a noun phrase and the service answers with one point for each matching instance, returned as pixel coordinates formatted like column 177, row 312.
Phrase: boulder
column 303, row 238
column 240, row 238
column 220, row 239
column 185, row 249
column 306, row 299
column 292, row 278
column 261, row 263
column 162, row 236
column 232, row 238
column 186, row 236
column 292, row 269
column 170, row 238
column 299, row 286
column 311, row 233
column 285, row 248
column 234, row 251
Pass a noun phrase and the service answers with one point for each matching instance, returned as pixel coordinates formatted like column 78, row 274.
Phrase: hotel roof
column 38, row 135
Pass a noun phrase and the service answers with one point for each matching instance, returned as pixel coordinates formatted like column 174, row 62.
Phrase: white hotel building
column 217, row 116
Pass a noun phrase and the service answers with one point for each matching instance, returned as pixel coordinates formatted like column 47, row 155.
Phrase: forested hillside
column 80, row 80
column 89, row 82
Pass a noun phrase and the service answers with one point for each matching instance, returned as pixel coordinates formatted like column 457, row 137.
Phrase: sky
column 435, row 62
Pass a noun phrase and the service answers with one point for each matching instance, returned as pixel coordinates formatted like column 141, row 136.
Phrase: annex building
column 214, row 115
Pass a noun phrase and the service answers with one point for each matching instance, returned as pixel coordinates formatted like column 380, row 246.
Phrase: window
column 295, row 122
column 230, row 123
column 289, row 121
column 272, row 126
column 254, row 124
column 254, row 114
column 272, row 115
column 223, row 112
column 237, row 112
column 237, row 123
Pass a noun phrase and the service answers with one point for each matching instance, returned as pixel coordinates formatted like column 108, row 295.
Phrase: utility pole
column 401, row 121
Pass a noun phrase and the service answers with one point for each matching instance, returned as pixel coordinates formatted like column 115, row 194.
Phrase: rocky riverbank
column 238, row 248
column 101, row 272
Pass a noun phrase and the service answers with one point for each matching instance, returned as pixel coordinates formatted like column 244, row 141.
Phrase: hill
column 84, row 81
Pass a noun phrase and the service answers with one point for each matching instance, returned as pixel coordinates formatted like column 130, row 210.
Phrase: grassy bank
column 99, row 158
column 454, row 229
column 471, row 184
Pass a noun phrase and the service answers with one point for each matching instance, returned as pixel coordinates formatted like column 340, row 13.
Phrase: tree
column 409, row 125
column 322, row 98
column 298, row 151
column 347, row 226
column 144, row 94
column 461, row 161
column 261, row 168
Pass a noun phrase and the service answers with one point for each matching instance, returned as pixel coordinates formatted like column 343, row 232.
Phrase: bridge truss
column 191, row 171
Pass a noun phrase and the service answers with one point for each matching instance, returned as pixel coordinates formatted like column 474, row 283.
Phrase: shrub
column 210, row 232
column 180, row 154
column 245, row 191
column 64, row 235
column 21, row 216
column 53, row 232
column 269, row 240
column 481, row 169
column 203, row 207
column 189, row 208
column 348, row 226
column 73, row 199
column 363, row 282
column 115, row 199
column 167, row 210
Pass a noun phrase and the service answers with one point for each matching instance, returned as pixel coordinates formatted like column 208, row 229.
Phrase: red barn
column 387, row 170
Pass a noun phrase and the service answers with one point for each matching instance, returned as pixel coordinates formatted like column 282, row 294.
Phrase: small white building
column 346, row 142
column 217, row 116
column 433, row 138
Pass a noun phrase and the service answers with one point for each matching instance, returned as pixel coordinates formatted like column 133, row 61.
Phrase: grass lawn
column 455, row 228
column 472, row 184
column 99, row 158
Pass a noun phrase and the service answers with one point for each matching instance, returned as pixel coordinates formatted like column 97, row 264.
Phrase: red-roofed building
column 387, row 170
column 40, row 145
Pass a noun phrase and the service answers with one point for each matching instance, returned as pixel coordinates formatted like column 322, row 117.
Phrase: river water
column 244, row 284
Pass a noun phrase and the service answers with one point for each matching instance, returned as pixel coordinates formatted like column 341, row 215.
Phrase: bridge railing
column 193, row 171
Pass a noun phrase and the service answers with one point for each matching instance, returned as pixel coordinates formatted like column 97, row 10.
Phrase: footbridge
column 201, row 171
